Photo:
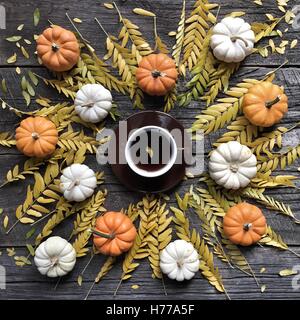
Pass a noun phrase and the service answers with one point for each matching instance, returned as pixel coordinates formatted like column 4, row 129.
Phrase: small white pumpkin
column 78, row 182
column 179, row 260
column 232, row 165
column 55, row 257
column 232, row 39
column 93, row 102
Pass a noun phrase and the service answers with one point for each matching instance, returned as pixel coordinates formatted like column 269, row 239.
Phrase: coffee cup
column 150, row 151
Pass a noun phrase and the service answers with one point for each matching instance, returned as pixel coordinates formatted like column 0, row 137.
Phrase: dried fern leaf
column 271, row 238
column 198, row 24
column 63, row 210
column 106, row 267
column 170, row 100
column 101, row 74
column 29, row 167
column 131, row 31
column 61, row 86
column 129, row 264
column 269, row 202
column 221, row 81
column 264, row 145
column 160, row 46
column 263, row 30
column 226, row 109
column 7, row 139
column 279, row 160
column 208, row 270
column 240, row 130
column 235, row 255
column 159, row 238
column 80, row 243
column 39, row 195
column 72, row 140
column 85, row 219
column 265, row 180
column 209, row 201
column 201, row 73
column 177, row 48
column 122, row 59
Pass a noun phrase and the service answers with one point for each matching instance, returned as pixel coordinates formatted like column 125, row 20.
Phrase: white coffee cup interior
column 166, row 167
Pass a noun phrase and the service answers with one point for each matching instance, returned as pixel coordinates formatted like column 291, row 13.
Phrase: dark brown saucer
column 128, row 177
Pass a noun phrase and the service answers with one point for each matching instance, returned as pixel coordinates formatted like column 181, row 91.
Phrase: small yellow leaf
column 12, row 59
column 135, row 286
column 5, row 222
column 263, row 288
column 10, row 252
column 108, row 5
column 20, row 27
column 172, row 33
column 287, row 272
column 77, row 20
column 262, row 270
column 18, row 70
column 26, row 220
column 269, row 16
column 294, row 43
column 143, row 12
column 237, row 14
column 24, row 52
column 79, row 280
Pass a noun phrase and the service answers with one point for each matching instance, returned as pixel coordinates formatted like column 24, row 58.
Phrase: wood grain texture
column 26, row 282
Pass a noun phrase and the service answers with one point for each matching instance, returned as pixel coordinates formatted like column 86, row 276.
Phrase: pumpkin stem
column 156, row 74
column 247, row 226
column 73, row 184
column 234, row 38
column 35, row 136
column 103, row 235
column 234, row 168
column 55, row 47
column 271, row 103
column 89, row 104
column 54, row 261
column 180, row 263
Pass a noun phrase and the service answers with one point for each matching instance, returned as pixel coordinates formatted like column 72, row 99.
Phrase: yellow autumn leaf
column 143, row 12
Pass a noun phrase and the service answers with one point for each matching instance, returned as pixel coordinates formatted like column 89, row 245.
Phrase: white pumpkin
column 93, row 102
column 179, row 260
column 78, row 182
column 232, row 39
column 55, row 257
column 232, row 165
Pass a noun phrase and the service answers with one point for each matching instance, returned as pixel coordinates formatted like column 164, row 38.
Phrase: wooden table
column 26, row 282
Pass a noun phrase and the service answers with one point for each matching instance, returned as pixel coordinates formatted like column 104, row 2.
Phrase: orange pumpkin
column 265, row 104
column 114, row 233
column 36, row 137
column 244, row 224
column 58, row 49
column 156, row 74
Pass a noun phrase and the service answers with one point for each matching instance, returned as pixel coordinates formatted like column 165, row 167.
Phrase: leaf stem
column 88, row 263
column 118, row 286
column 43, row 218
column 164, row 285
column 155, row 27
column 90, row 290
column 101, row 26
column 275, row 70
column 79, row 33
column 119, row 13
column 18, row 112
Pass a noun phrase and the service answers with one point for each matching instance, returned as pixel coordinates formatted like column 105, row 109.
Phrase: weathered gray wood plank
column 26, row 282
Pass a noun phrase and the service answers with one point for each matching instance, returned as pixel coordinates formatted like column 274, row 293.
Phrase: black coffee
column 151, row 150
